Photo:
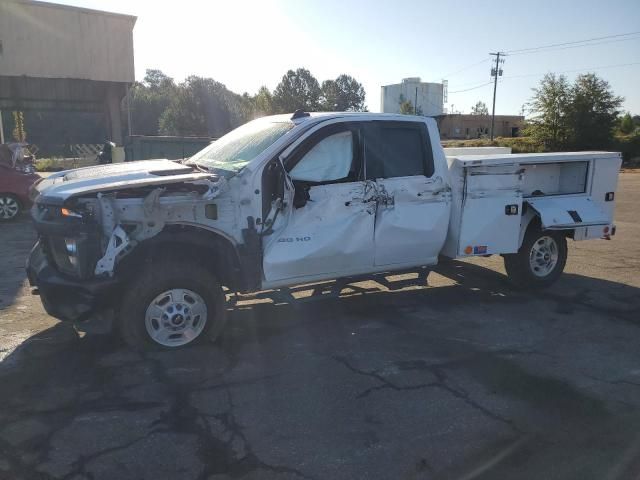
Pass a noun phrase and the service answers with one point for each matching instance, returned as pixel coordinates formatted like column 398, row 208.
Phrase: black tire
column 162, row 277
column 8, row 203
column 519, row 265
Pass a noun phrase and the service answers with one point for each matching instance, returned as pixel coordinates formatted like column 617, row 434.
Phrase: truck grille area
column 75, row 256
column 72, row 245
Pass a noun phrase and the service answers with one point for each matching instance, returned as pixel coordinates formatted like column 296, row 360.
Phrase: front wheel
column 9, row 207
column 172, row 305
column 540, row 260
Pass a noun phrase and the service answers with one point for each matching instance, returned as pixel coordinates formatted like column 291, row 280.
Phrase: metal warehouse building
column 62, row 58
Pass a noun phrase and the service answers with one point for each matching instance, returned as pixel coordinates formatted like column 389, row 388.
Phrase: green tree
column 204, row 107
column 581, row 116
column 549, row 107
column 626, row 124
column 19, row 132
column 592, row 113
column 148, row 100
column 480, row 108
column 263, row 102
column 406, row 107
column 297, row 89
column 157, row 79
column 343, row 94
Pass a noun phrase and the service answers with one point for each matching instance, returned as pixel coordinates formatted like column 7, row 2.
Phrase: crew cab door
column 413, row 203
column 329, row 227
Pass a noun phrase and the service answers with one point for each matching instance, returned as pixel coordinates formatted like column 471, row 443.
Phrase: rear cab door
column 413, row 197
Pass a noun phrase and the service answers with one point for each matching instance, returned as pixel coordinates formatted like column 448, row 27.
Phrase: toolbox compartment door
column 491, row 211
column 569, row 212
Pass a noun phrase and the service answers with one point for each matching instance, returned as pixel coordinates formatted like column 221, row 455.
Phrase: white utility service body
column 567, row 191
column 287, row 200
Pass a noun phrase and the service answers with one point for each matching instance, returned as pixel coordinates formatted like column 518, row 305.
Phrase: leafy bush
column 629, row 145
column 49, row 165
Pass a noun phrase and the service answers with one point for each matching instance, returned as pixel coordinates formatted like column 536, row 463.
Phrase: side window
column 396, row 149
column 328, row 160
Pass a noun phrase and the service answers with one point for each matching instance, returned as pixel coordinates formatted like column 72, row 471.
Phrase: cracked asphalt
column 448, row 374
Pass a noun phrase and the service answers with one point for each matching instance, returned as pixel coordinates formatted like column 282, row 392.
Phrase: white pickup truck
column 150, row 247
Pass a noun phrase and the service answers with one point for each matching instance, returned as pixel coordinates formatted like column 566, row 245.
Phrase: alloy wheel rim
column 176, row 317
column 543, row 257
column 8, row 207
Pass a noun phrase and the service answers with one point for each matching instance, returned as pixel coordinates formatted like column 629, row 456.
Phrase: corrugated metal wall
column 56, row 41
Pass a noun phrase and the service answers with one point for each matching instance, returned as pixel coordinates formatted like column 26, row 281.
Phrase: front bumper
column 66, row 298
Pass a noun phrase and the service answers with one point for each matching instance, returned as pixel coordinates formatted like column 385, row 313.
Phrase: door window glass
column 395, row 151
column 328, row 160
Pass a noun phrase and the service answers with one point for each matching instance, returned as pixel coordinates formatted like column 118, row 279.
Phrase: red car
column 14, row 190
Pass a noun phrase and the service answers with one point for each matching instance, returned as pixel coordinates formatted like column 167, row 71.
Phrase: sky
column 247, row 44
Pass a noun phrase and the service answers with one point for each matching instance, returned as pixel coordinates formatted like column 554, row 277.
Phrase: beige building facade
column 460, row 126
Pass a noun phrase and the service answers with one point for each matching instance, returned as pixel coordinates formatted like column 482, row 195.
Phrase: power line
column 573, row 70
column 578, row 46
column 473, row 88
column 544, row 73
column 540, row 49
column 461, row 85
column 513, row 52
column 464, row 68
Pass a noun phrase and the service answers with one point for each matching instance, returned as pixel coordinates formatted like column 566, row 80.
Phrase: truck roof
column 314, row 117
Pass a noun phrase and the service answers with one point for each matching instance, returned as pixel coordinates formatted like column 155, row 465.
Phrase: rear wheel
column 540, row 260
column 171, row 305
column 9, row 207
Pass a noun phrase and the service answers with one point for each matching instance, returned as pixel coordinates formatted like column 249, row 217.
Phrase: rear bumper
column 68, row 299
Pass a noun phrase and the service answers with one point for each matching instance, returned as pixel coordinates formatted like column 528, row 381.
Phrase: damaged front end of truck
column 97, row 226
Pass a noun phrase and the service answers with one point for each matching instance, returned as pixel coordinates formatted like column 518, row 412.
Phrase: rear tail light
column 609, row 196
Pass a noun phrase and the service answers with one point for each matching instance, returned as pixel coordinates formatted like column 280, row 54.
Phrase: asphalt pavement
column 449, row 374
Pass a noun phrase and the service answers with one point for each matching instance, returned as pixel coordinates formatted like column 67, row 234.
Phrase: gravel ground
column 449, row 374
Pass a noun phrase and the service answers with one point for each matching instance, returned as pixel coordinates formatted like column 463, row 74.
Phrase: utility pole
column 415, row 105
column 495, row 73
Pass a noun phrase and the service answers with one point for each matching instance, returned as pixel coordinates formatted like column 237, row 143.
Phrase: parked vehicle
column 15, row 182
column 286, row 200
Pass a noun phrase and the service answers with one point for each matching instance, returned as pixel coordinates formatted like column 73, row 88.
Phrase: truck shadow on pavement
column 16, row 240
column 87, row 406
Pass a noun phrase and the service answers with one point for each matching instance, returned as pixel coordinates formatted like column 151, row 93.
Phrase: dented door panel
column 331, row 235
column 411, row 220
